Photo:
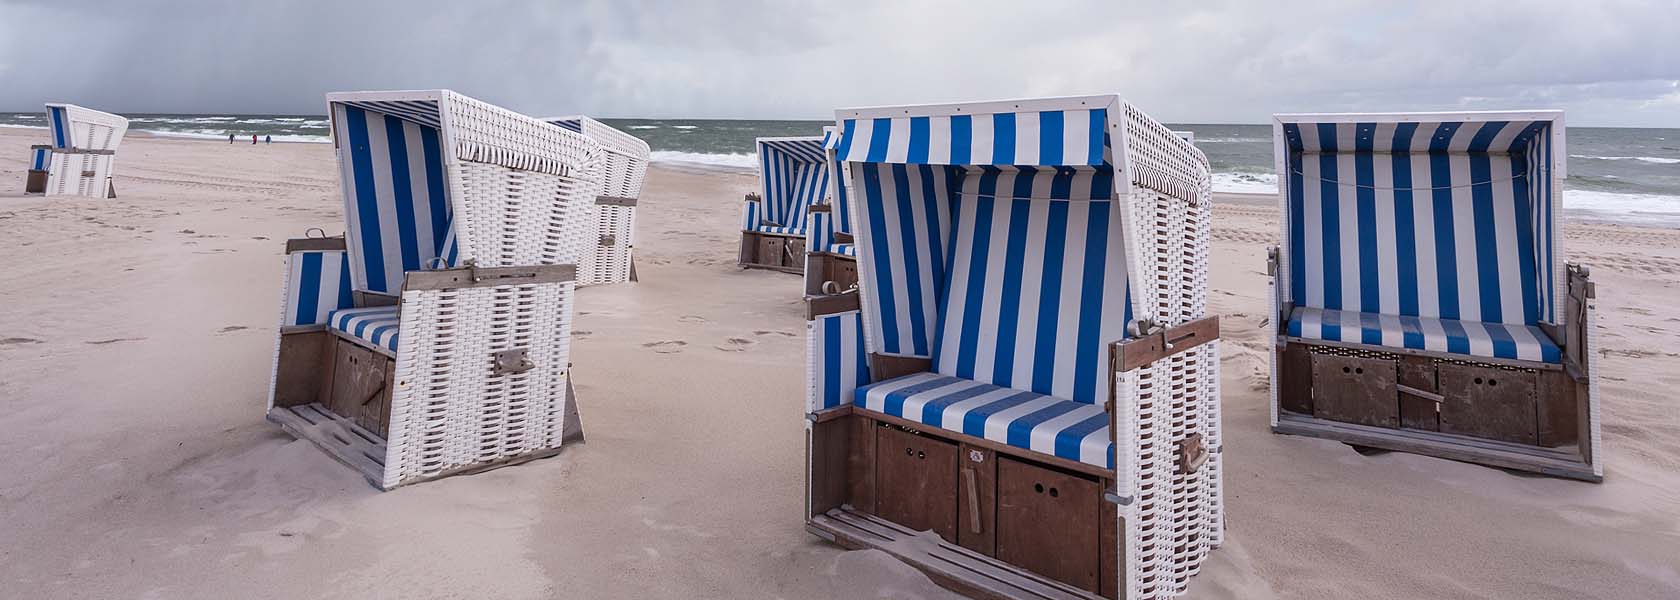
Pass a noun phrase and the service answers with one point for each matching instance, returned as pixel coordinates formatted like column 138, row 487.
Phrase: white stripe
column 1067, row 316
column 997, row 243
column 1505, row 236
column 1032, row 274
column 390, row 240
column 418, row 185
column 997, row 425
column 954, row 414
column 1423, row 223
column 980, row 146
column 1387, row 267
column 1076, row 137
column 1347, row 201
column 294, row 278
column 939, row 140
column 1312, row 209
column 1043, row 438
column 914, row 404
column 1464, row 237
column 1026, row 138
column 876, row 398
column 898, row 146
column 863, row 130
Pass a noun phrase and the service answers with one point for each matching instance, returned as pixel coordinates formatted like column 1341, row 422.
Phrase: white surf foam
column 1647, row 159
column 724, row 161
column 1245, row 183
column 1652, row 209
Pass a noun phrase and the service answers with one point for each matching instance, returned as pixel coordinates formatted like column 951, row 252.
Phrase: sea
column 1615, row 174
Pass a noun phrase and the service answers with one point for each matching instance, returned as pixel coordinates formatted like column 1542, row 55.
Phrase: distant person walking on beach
column 253, row 139
column 230, row 138
column 268, row 140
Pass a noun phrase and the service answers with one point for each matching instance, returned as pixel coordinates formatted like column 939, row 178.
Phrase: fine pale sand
column 136, row 336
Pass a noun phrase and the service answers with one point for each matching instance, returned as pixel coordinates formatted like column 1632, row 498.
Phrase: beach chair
column 434, row 338
column 996, row 404
column 78, row 162
column 831, row 251
column 793, row 175
column 611, row 259
column 1421, row 298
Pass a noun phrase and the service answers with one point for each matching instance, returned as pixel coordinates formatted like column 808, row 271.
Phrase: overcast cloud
column 1606, row 63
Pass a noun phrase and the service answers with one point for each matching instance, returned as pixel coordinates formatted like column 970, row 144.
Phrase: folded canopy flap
column 83, row 128
column 807, row 149
column 1494, row 132
column 1050, row 138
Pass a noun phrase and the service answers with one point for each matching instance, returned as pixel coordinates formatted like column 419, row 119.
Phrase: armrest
column 317, row 281
column 838, row 362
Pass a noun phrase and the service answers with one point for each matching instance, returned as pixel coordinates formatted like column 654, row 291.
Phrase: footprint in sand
column 666, row 346
column 232, row 328
column 582, row 332
column 18, row 340
column 735, row 344
column 693, row 319
column 113, row 341
column 769, row 332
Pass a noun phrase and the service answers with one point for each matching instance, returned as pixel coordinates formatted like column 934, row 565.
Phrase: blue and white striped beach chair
column 996, row 379
column 434, row 338
column 793, row 176
column 79, row 160
column 611, row 258
column 831, row 251
column 1422, row 299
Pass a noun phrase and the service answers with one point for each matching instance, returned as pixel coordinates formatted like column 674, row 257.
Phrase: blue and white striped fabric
column 375, row 325
column 903, row 237
column 843, row 249
column 318, row 283
column 823, row 226
column 1437, row 220
column 58, row 120
column 396, row 197
column 1072, row 430
column 1055, row 138
column 839, row 363
column 40, row 159
column 1492, row 340
column 793, row 176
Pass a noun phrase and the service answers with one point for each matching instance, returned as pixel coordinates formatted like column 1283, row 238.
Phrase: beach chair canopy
column 626, row 155
column 408, row 162
column 824, row 226
column 793, row 174
column 79, row 128
column 1428, row 231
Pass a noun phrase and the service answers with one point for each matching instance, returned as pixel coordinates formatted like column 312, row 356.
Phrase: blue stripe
column 1098, row 136
column 847, row 129
column 893, row 403
column 1050, row 297
column 1297, row 222
column 919, row 139
column 390, row 344
column 1370, row 328
column 1330, row 219
column 344, row 285
column 61, row 128
column 1090, row 344
column 912, row 279
column 1405, row 228
column 1487, row 236
column 442, row 214
column 962, row 139
column 1009, row 313
column 1411, row 332
column 1069, row 438
column 367, row 203
column 1365, row 195
column 403, row 193
column 831, row 362
column 975, row 296
column 1003, row 139
column 1446, row 259
column 1020, row 430
column 974, row 423
column 875, row 208
column 1050, row 138
column 1504, row 346
column 878, row 139
column 931, row 201
column 1523, row 190
column 933, row 412
column 309, row 289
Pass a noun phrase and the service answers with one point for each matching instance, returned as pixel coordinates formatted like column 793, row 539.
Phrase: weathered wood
column 977, row 499
column 762, row 250
column 1047, row 522
column 1110, row 569
column 885, row 366
column 1557, row 414
column 829, row 452
column 793, row 256
column 916, row 481
column 614, row 201
column 1567, row 462
column 314, row 244
column 35, row 182
column 1489, row 402
column 1418, row 411
column 340, row 437
column 476, row 277
column 359, row 373
column 298, row 372
column 1351, row 389
column 1000, row 448
column 860, row 463
column 1141, row 351
column 1295, row 378
column 959, row 569
column 818, row 208
column 1508, row 362
column 817, row 306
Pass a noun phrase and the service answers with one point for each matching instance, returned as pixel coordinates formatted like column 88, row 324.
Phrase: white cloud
column 1610, row 63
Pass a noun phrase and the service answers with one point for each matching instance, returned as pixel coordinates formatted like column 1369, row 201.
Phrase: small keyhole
column 1053, row 493
column 1478, row 381
column 1493, row 381
column 1359, row 370
column 909, row 451
column 1038, row 487
column 921, row 455
column 1345, row 369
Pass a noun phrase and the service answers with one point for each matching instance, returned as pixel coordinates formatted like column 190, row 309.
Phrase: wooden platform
column 1563, row 461
column 952, row 566
column 352, row 445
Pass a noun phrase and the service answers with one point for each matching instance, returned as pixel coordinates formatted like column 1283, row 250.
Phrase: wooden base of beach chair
column 783, row 253
column 35, row 182
column 1529, row 416
column 979, row 517
column 822, row 268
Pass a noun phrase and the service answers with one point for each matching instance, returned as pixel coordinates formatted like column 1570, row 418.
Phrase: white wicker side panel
column 285, row 300
column 448, row 409
column 513, row 217
column 1595, row 438
column 79, row 174
column 610, row 262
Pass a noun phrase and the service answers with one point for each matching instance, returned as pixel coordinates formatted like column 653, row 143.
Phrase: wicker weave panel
column 448, row 409
column 512, row 217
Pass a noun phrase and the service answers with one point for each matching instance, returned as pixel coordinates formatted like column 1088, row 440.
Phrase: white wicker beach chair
column 79, row 160
column 793, row 176
column 995, row 378
column 1422, row 302
column 434, row 338
column 831, row 251
column 612, row 258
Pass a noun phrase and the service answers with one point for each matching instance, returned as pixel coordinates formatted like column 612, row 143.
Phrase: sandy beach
column 137, row 336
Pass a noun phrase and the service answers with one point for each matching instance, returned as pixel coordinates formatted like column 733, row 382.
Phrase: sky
column 1606, row 63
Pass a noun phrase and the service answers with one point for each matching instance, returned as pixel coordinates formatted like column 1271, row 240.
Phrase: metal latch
column 508, row 362
column 1192, row 454
column 608, row 240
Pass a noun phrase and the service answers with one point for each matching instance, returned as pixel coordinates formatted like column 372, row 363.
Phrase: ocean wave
column 685, row 126
column 1648, row 159
column 1651, row 209
column 1245, row 183
column 1230, row 140
column 643, row 127
column 728, row 161
column 211, row 134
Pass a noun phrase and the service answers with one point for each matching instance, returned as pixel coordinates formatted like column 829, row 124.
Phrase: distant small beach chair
column 434, row 339
column 1421, row 298
column 793, row 175
column 997, row 404
column 78, row 162
column 612, row 257
column 831, row 251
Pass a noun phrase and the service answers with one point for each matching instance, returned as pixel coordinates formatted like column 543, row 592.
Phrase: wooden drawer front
column 1490, row 403
column 1415, row 412
column 1047, row 522
column 770, row 250
column 843, row 272
column 358, row 380
column 795, row 255
column 916, row 481
column 1351, row 389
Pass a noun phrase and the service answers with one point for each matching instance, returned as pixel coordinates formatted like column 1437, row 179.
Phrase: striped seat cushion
column 1470, row 338
column 780, row 229
column 843, row 249
column 375, row 325
column 1072, row 430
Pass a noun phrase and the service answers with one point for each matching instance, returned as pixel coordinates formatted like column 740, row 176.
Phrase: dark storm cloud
column 1606, row 62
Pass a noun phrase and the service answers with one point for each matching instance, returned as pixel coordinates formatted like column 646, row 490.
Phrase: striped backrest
column 1049, row 138
column 40, row 159
column 396, row 199
column 823, row 226
column 794, row 175
column 84, row 128
column 1447, row 219
column 58, row 121
column 317, row 283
